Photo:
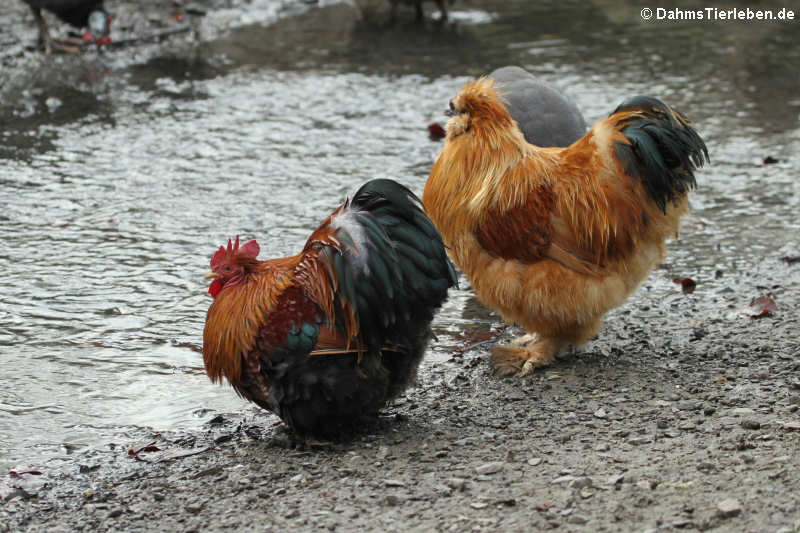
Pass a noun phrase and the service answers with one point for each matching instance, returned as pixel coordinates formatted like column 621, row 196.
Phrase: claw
column 526, row 369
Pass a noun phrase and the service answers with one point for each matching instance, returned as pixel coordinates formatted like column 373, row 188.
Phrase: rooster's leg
column 524, row 340
column 520, row 359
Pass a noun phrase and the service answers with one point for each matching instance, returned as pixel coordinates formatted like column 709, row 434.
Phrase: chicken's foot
column 524, row 354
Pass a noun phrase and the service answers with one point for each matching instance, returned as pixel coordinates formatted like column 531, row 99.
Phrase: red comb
column 248, row 249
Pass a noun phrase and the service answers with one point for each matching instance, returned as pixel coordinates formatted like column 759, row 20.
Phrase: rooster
column 327, row 336
column 79, row 13
column 553, row 238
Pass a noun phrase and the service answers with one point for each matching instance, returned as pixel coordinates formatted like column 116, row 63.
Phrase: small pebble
column 581, row 483
column 456, row 483
column 729, row 507
column 194, row 508
column 577, row 519
column 751, row 424
column 490, row 468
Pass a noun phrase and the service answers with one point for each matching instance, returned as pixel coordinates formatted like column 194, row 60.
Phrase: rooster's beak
column 210, row 275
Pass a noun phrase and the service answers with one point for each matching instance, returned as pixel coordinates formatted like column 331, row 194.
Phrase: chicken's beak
column 210, row 275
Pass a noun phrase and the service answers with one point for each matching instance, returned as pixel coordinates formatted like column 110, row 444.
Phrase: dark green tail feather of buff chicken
column 663, row 150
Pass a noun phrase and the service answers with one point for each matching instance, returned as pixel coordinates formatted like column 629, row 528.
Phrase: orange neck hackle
column 235, row 317
column 480, row 163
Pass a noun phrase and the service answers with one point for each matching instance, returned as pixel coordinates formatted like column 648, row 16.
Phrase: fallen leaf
column 177, row 16
column 761, row 307
column 150, row 447
column 180, row 453
column 791, row 259
column 687, row 284
column 436, row 132
column 15, row 474
column 769, row 160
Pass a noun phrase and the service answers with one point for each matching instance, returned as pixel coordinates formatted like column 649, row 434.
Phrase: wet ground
column 122, row 171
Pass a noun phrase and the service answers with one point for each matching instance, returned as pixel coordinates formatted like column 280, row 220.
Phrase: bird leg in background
column 442, row 9
column 524, row 354
column 44, row 33
column 67, row 46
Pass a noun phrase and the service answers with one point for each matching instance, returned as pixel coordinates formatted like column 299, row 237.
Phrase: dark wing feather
column 391, row 261
column 374, row 273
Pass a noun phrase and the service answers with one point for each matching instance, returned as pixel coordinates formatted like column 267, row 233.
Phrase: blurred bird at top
column 553, row 238
column 88, row 14
column 370, row 6
column 326, row 337
column 546, row 116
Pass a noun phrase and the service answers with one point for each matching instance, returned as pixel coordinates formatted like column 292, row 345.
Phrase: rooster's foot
column 524, row 340
column 520, row 361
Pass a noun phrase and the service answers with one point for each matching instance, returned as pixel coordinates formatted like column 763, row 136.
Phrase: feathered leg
column 529, row 352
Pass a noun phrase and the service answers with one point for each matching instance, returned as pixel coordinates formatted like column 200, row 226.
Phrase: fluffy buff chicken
column 553, row 238
column 327, row 336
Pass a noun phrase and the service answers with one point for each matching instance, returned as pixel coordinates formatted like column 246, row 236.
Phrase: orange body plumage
column 553, row 238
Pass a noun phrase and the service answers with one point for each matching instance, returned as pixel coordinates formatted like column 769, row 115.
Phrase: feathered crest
column 249, row 249
column 481, row 98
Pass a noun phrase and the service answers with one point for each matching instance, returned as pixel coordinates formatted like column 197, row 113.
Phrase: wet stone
column 751, row 424
column 456, row 483
column 577, row 519
column 616, row 479
column 392, row 501
column 194, row 508
column 581, row 483
column 490, row 468
column 729, row 507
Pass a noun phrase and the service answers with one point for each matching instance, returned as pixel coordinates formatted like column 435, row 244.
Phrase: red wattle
column 215, row 287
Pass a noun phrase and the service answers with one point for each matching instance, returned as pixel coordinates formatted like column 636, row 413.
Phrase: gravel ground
column 683, row 414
